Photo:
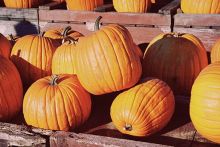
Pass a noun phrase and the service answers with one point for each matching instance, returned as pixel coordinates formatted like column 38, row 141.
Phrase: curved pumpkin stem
column 128, row 127
column 97, row 23
column 65, row 31
column 54, row 79
column 42, row 34
column 70, row 40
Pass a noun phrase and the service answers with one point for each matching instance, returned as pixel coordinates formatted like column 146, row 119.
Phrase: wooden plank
column 199, row 141
column 52, row 5
column 170, row 8
column 107, row 17
column 82, row 140
column 204, row 20
column 207, row 36
column 17, row 135
column 104, row 8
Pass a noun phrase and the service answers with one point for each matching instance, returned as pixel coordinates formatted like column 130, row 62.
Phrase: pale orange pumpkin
column 5, row 46
column 88, row 5
column 56, row 103
column 215, row 52
column 11, row 91
column 23, row 3
column 144, row 109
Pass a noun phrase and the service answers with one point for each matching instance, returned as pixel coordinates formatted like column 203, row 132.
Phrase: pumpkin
column 137, row 6
column 11, row 91
column 88, row 5
column 176, row 59
column 107, row 60
column 56, row 103
column 200, row 6
column 61, row 33
column 32, row 55
column 215, row 56
column 63, row 58
column 144, row 109
column 5, row 46
column 59, row 1
column 23, row 3
column 205, row 103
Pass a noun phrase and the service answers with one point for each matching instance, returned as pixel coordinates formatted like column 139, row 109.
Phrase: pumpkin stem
column 42, row 34
column 65, row 31
column 128, row 127
column 54, row 79
column 70, row 40
column 97, row 23
column 11, row 37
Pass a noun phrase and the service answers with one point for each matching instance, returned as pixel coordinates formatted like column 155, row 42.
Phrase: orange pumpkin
column 215, row 56
column 63, row 59
column 11, row 91
column 61, row 33
column 23, row 3
column 5, row 46
column 83, row 4
column 32, row 55
column 200, row 6
column 176, row 59
column 60, row 1
column 56, row 103
column 205, row 103
column 107, row 60
column 137, row 6
column 144, row 109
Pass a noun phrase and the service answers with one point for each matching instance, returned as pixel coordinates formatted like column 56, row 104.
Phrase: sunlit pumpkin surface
column 23, row 3
column 83, row 4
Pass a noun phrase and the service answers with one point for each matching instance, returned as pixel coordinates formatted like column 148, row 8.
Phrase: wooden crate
column 205, row 26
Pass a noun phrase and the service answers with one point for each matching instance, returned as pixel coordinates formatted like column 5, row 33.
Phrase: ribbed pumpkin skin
column 215, row 52
column 144, row 109
column 88, row 5
column 32, row 56
column 137, row 6
column 205, row 103
column 177, row 60
column 11, row 91
column 5, row 46
column 56, row 107
column 200, row 6
column 64, row 59
column 23, row 3
column 107, row 60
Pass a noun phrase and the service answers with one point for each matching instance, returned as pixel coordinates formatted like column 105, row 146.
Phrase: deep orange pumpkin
column 32, row 56
column 5, row 46
column 23, row 3
column 83, row 4
column 108, row 60
column 205, row 103
column 56, row 103
column 144, row 109
column 176, row 59
column 11, row 91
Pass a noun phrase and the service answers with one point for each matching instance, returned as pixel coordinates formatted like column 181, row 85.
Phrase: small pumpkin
column 5, row 46
column 63, row 58
column 215, row 52
column 62, row 33
column 205, row 103
column 108, row 60
column 32, row 55
column 176, row 59
column 137, row 6
column 11, row 91
column 56, row 103
column 88, row 5
column 200, row 6
column 23, row 3
column 144, row 109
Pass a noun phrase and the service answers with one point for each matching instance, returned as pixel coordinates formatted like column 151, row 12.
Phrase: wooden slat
column 52, row 5
column 200, row 141
column 204, row 20
column 170, row 8
column 108, row 17
column 105, row 8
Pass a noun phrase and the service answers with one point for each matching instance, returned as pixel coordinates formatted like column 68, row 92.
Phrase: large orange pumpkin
column 83, row 4
column 108, row 60
column 138, row 6
column 63, row 61
column 176, row 59
column 5, row 46
column 23, row 3
column 205, row 103
column 11, row 91
column 200, row 6
column 144, row 109
column 56, row 103
column 32, row 55
column 215, row 52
